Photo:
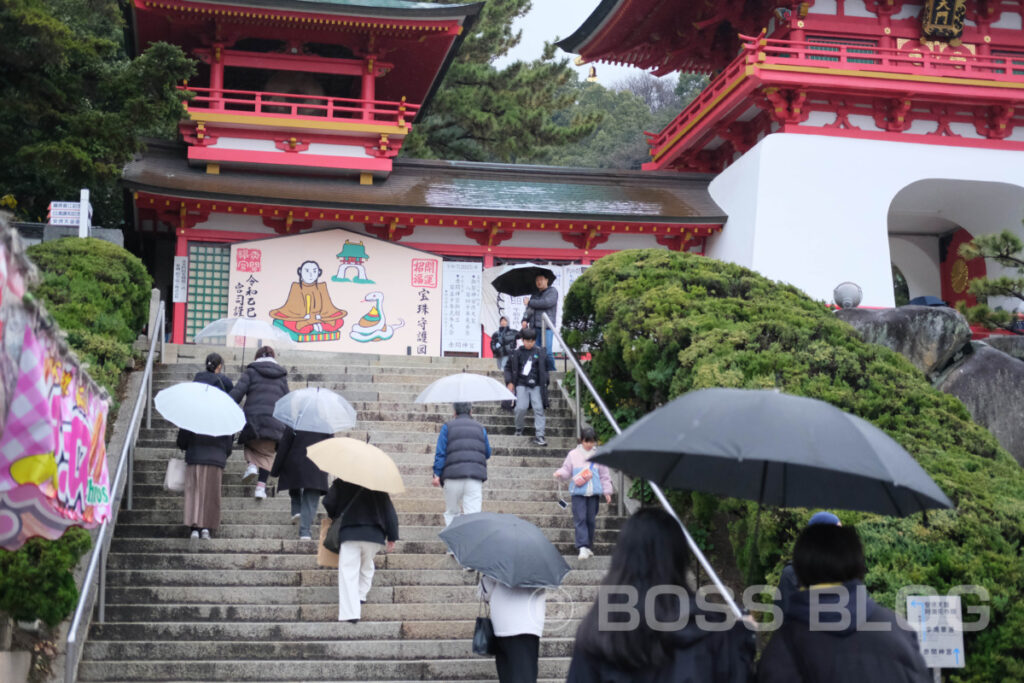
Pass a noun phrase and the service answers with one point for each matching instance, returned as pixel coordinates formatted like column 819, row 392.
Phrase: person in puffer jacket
column 587, row 483
column 261, row 385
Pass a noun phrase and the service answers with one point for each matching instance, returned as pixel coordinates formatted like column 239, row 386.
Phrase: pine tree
column 1006, row 250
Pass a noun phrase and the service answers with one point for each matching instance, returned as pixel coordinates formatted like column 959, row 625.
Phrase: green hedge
column 36, row 581
column 660, row 324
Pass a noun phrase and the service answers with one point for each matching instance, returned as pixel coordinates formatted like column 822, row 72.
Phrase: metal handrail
column 98, row 557
column 581, row 375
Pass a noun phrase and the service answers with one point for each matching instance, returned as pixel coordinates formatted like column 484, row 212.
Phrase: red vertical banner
column 956, row 271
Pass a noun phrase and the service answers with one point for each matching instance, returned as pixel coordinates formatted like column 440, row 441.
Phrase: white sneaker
column 205, row 534
column 305, row 538
column 583, row 554
column 251, row 473
column 260, row 493
column 195, row 534
column 295, row 518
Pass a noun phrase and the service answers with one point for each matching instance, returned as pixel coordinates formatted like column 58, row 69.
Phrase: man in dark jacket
column 304, row 481
column 544, row 301
column 503, row 342
column 460, row 463
column 527, row 377
column 368, row 522
column 261, row 385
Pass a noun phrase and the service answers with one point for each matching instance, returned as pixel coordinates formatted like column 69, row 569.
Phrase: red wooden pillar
column 179, row 310
column 369, row 89
column 217, row 76
column 488, row 263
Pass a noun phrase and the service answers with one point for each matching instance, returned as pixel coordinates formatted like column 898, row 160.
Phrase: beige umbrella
column 358, row 463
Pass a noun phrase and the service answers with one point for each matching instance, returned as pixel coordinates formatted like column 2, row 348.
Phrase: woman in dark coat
column 261, row 385
column 652, row 554
column 812, row 645
column 368, row 522
column 296, row 472
column 205, row 457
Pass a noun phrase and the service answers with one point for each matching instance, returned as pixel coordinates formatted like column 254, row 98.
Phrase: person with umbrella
column 517, row 615
column 304, row 481
column 823, row 636
column 527, row 376
column 205, row 458
column 460, row 463
column 261, row 385
column 368, row 523
column 652, row 555
column 544, row 301
column 789, row 585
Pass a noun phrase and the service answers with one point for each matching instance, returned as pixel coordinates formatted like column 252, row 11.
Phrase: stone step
column 306, row 670
column 418, row 475
column 561, row 441
column 430, row 502
column 540, row 489
column 501, row 446
column 151, row 459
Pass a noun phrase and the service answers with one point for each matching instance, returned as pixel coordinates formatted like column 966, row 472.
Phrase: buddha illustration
column 309, row 308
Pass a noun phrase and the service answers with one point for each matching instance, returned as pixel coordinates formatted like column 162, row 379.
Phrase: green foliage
column 660, row 324
column 482, row 113
column 36, row 581
column 1006, row 250
column 75, row 105
column 99, row 294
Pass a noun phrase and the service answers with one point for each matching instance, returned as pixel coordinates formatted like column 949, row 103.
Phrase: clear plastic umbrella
column 222, row 330
column 465, row 387
column 315, row 409
column 200, row 408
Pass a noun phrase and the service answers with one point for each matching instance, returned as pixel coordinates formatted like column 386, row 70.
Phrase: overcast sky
column 549, row 20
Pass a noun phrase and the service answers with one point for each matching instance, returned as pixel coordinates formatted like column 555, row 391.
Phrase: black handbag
column 331, row 541
column 483, row 634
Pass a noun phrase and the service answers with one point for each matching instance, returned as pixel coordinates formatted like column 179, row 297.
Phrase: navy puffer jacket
column 261, row 385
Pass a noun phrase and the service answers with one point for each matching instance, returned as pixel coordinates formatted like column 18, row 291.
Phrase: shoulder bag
column 331, row 542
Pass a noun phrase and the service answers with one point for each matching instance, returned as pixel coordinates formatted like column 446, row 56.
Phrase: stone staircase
column 251, row 604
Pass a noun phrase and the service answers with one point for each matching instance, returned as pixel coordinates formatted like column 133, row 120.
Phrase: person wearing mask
column 304, row 481
column 460, row 463
column 651, row 554
column 588, row 481
column 517, row 615
column 527, row 377
column 825, row 637
column 544, row 301
column 261, row 385
column 368, row 523
column 503, row 342
column 205, row 458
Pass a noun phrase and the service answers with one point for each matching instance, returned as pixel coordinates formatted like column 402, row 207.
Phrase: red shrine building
column 286, row 171
column 850, row 139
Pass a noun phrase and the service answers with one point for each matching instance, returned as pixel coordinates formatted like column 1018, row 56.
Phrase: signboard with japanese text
column 940, row 632
column 461, row 307
column 179, row 289
column 336, row 290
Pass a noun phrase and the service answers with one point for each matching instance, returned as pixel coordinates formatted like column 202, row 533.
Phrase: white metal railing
column 98, row 557
column 659, row 494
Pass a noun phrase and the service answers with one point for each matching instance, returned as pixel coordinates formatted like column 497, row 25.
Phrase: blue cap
column 823, row 517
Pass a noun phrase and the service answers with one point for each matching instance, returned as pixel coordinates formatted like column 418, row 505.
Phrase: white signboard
column 940, row 632
column 179, row 293
column 66, row 213
column 460, row 306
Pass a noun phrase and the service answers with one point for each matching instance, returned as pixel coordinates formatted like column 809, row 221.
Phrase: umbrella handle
column 696, row 551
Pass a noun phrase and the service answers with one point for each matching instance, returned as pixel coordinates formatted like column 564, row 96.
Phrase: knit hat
column 823, row 517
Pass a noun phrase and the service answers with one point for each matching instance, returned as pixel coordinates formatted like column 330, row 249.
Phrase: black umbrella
column 927, row 301
column 506, row 548
column 521, row 280
column 776, row 449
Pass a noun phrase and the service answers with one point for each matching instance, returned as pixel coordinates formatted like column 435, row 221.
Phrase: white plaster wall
column 812, row 211
column 263, row 145
column 917, row 257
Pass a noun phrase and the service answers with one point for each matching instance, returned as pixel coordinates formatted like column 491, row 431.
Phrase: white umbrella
column 247, row 328
column 315, row 409
column 200, row 408
column 465, row 387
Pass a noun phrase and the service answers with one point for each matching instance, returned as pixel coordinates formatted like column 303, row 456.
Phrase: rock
column 989, row 383
column 928, row 336
column 1012, row 344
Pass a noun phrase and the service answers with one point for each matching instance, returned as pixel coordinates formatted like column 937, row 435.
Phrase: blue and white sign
column 940, row 631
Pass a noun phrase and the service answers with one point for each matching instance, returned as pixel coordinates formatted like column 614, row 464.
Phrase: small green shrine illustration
column 352, row 255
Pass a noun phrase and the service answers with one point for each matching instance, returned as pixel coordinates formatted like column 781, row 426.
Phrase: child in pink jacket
column 587, row 482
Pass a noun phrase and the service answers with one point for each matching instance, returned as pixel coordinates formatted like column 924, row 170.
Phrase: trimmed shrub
column 660, row 324
column 36, row 582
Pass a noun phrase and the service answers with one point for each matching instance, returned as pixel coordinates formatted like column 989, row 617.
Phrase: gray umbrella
column 775, row 449
column 506, row 548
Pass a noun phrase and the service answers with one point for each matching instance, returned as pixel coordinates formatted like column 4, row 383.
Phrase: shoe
column 260, row 493
column 519, row 432
column 195, row 534
column 353, row 621
column 305, row 538
column 590, row 553
column 251, row 473
column 540, row 441
column 362, row 602
column 582, row 555
column 295, row 518
column 205, row 534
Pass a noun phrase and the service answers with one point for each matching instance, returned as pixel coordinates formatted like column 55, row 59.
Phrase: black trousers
column 516, row 658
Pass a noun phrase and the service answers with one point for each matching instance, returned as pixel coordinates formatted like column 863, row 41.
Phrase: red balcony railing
column 859, row 57
column 311, row 107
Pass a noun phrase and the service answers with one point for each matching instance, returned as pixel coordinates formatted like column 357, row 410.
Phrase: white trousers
column 355, row 575
column 462, row 497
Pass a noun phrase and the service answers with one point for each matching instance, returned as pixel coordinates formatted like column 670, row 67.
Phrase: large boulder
column 989, row 383
column 1012, row 344
column 928, row 336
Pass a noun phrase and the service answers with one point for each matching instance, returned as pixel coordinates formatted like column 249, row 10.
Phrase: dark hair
column 264, row 352
column 299, row 269
column 213, row 361
column 462, row 408
column 502, row 318
column 824, row 553
column 588, row 434
column 651, row 551
column 528, row 333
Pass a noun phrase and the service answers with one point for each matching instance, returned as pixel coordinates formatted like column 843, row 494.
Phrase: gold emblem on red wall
column 943, row 20
column 958, row 276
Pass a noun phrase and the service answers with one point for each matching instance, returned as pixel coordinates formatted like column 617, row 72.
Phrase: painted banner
column 336, row 290
column 461, row 306
column 53, row 464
